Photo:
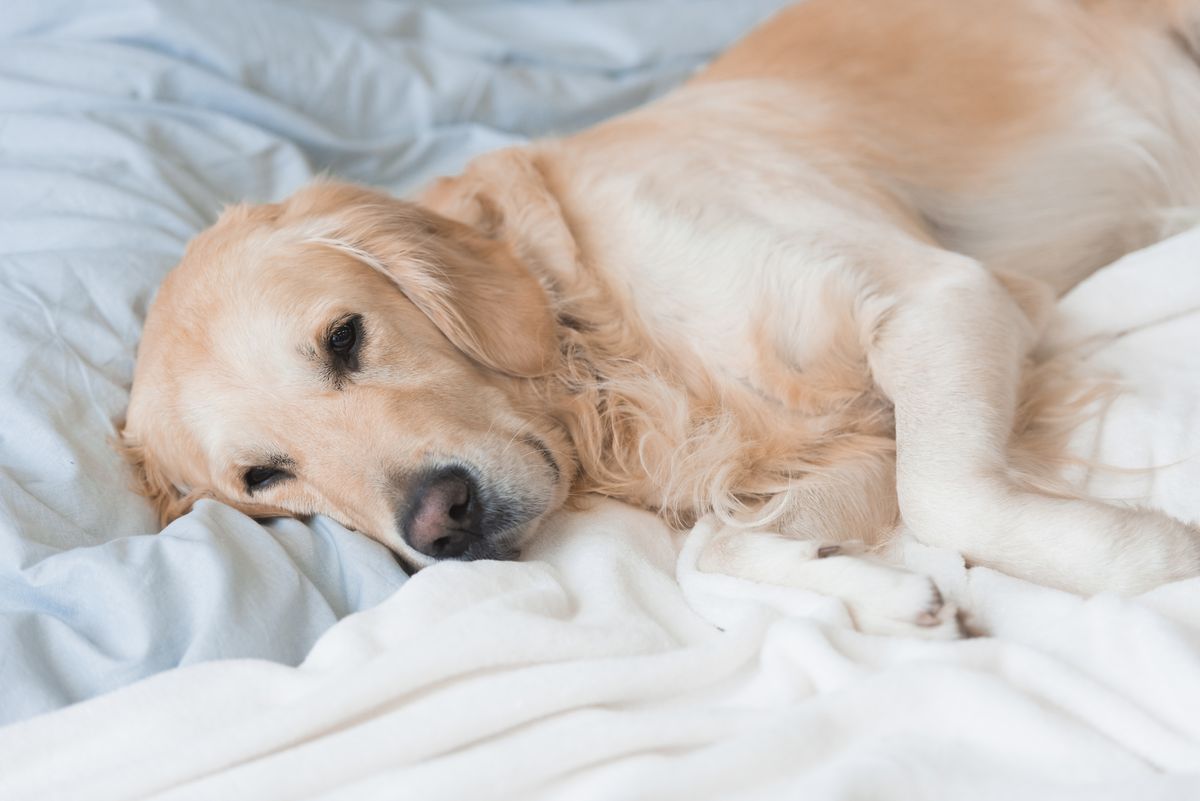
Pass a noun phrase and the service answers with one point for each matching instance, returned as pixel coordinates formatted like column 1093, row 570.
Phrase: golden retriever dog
column 800, row 293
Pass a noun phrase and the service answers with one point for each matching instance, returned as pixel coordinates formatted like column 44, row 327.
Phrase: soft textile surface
column 124, row 126
column 591, row 673
column 605, row 668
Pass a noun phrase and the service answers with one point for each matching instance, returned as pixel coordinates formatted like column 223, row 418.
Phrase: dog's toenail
column 828, row 550
column 965, row 629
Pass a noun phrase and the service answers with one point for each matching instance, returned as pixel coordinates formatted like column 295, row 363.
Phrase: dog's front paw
column 893, row 601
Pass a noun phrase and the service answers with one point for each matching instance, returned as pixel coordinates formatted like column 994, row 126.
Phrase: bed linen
column 125, row 126
column 607, row 667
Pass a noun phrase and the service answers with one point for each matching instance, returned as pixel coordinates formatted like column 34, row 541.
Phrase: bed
column 222, row 658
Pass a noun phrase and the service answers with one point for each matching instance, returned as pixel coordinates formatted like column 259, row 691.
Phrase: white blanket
column 609, row 668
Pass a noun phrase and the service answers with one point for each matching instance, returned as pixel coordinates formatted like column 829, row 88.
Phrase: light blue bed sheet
column 124, row 127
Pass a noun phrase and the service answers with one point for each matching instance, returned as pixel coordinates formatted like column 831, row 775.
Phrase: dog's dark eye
column 343, row 342
column 342, row 338
column 257, row 478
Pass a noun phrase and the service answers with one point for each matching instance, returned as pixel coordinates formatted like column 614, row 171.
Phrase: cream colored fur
column 800, row 293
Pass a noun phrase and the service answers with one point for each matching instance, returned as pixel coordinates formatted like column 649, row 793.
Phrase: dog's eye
column 342, row 338
column 257, row 478
column 343, row 342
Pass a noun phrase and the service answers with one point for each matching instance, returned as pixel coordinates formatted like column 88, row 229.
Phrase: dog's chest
column 751, row 358
column 730, row 299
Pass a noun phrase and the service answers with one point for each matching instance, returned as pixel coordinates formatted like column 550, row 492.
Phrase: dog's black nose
column 444, row 513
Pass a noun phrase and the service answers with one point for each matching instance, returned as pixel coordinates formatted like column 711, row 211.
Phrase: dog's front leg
column 948, row 354
column 823, row 543
column 881, row 598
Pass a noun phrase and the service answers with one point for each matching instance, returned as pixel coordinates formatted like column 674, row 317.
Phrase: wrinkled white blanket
column 590, row 672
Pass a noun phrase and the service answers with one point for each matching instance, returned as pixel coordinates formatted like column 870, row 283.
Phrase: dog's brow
column 275, row 459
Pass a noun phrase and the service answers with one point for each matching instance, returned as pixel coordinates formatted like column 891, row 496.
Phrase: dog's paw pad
column 934, row 612
column 915, row 607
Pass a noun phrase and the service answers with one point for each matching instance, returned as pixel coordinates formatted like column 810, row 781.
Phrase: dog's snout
column 444, row 513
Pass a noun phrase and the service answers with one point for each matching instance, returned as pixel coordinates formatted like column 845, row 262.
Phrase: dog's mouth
column 460, row 509
column 539, row 445
column 455, row 514
column 502, row 552
column 504, row 548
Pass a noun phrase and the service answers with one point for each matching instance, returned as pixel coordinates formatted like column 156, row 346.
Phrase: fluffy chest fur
column 685, row 387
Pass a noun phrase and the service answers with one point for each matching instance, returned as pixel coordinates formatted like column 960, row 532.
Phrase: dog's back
column 1040, row 136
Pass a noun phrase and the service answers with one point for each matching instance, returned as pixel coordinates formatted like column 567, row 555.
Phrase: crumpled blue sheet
column 125, row 125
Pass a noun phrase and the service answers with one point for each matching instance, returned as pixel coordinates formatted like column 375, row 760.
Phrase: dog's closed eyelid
column 265, row 471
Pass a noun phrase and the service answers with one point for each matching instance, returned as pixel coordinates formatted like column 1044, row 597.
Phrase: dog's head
column 349, row 354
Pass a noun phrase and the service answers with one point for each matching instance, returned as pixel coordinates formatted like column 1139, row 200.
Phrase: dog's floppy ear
column 473, row 288
column 505, row 196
